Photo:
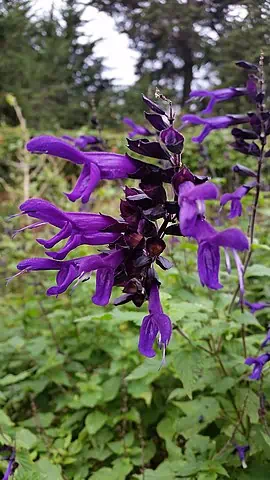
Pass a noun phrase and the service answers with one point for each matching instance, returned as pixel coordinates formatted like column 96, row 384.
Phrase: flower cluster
column 136, row 239
column 245, row 143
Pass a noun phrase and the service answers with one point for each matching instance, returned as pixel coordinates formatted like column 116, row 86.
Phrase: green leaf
column 122, row 467
column 90, row 399
column 25, row 439
column 258, row 271
column 5, row 420
column 246, row 318
column 221, row 386
column 166, row 428
column 110, row 389
column 188, row 365
column 51, row 471
column 138, row 389
column 10, row 379
column 103, row 474
column 24, row 460
column 95, row 421
column 150, row 366
column 207, row 476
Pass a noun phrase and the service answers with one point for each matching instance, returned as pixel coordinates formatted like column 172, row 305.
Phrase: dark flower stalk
column 261, row 126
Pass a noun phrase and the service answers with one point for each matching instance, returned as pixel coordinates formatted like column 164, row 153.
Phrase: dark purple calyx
column 244, row 134
column 156, row 120
column 147, row 148
column 246, row 148
column 185, row 175
column 153, row 106
column 247, row 65
column 243, row 171
column 173, row 140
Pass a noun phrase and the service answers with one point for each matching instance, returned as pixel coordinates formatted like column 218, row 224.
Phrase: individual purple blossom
column 209, row 241
column 191, row 202
column 267, row 338
column 83, row 140
column 154, row 325
column 258, row 363
column 136, row 129
column 96, row 165
column 241, row 451
column 219, row 95
column 79, row 228
column 235, row 199
column 213, row 123
column 77, row 269
column 255, row 307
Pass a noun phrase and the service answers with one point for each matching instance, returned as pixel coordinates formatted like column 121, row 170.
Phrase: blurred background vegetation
column 76, row 398
column 48, row 62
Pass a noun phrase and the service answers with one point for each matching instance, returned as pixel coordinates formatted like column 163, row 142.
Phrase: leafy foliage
column 79, row 402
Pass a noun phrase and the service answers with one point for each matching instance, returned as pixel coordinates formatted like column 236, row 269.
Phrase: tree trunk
column 188, row 77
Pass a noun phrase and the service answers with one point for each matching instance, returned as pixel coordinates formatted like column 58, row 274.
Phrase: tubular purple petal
column 64, row 233
column 153, row 324
column 81, row 184
column 93, row 181
column 205, row 191
column 55, row 146
column 232, row 238
column 208, row 265
column 44, row 210
column 148, row 334
column 104, row 285
column 114, row 165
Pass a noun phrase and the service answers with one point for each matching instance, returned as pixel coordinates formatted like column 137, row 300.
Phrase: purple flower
column 213, row 123
column 83, row 141
column 79, row 228
column 96, row 165
column 153, row 325
column 235, row 199
column 78, row 268
column 255, row 307
column 258, row 363
column 173, row 140
column 219, row 95
column 210, row 241
column 267, row 337
column 241, row 452
column 137, row 129
column 190, row 199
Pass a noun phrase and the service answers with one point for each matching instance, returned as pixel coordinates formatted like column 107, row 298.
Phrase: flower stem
column 252, row 223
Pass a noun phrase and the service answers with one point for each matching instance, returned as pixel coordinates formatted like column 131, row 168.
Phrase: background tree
column 180, row 41
column 48, row 65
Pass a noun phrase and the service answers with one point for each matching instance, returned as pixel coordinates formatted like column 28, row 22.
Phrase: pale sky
column 119, row 58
